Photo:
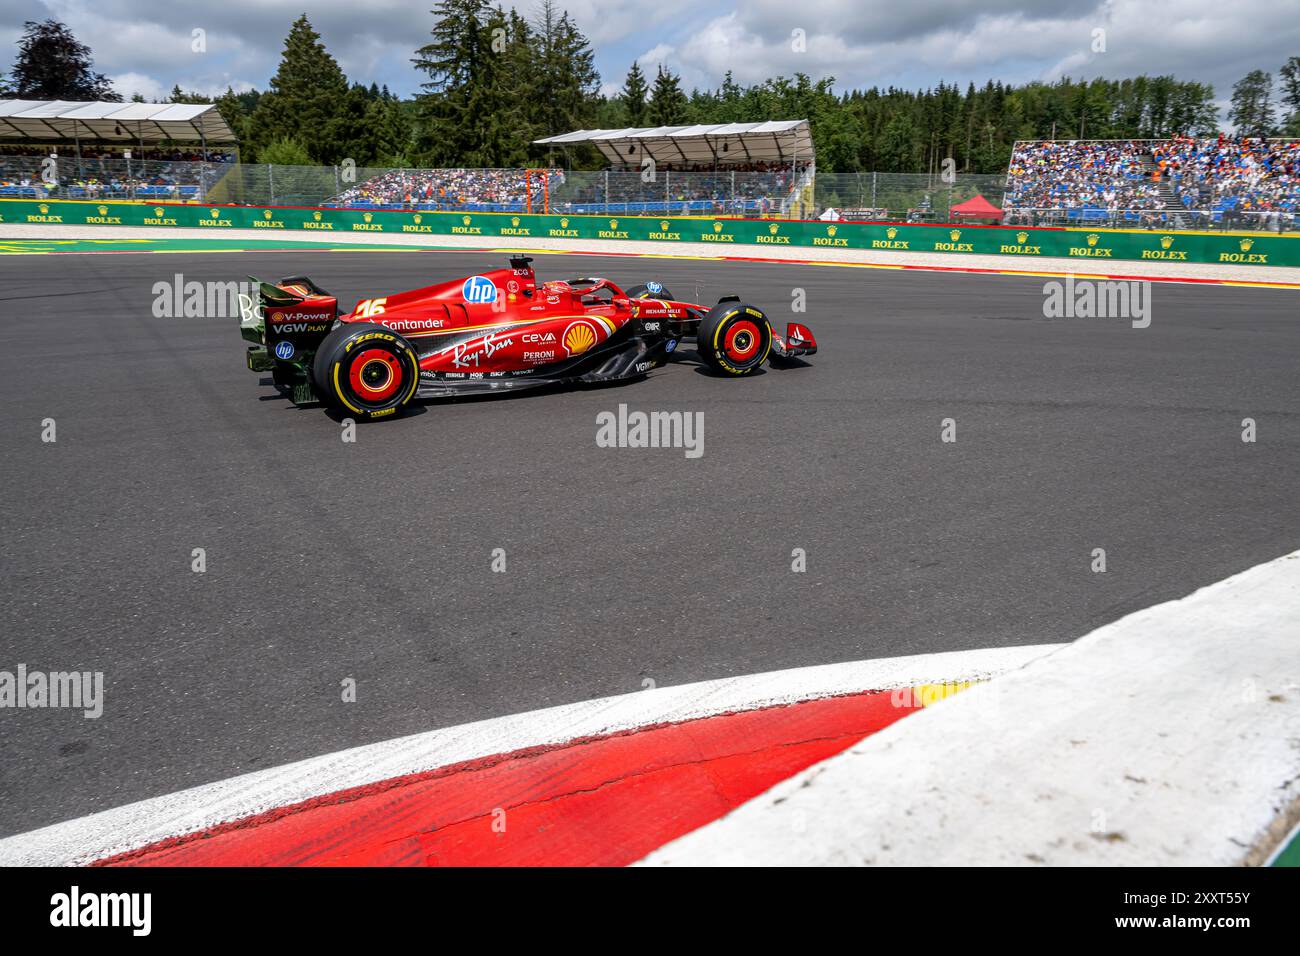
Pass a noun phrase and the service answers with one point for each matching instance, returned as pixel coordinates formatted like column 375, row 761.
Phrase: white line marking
column 1171, row 737
column 139, row 824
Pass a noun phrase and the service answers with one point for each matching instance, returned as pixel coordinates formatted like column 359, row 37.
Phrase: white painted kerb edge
column 1171, row 737
column 140, row 824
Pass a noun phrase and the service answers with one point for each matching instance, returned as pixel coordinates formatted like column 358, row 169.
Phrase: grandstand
column 736, row 169
column 102, row 150
column 186, row 152
column 1181, row 182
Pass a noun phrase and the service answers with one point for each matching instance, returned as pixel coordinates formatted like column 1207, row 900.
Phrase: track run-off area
column 372, row 561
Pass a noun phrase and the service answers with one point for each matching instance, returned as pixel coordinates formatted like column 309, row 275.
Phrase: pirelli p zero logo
column 369, row 336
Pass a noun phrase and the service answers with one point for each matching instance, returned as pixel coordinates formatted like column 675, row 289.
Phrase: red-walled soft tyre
column 734, row 339
column 366, row 371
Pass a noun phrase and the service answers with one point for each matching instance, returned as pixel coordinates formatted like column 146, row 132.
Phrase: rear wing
column 286, row 322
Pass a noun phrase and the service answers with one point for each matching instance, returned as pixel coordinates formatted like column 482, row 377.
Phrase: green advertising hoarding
column 1092, row 248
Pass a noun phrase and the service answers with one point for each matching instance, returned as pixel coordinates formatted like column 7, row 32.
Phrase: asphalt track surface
column 372, row 560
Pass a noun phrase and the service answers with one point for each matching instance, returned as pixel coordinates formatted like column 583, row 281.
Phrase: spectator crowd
column 1239, row 181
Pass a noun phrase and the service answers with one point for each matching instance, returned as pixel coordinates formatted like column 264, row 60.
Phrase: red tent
column 977, row 208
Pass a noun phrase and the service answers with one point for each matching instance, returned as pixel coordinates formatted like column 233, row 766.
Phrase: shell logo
column 158, row 211
column 1245, row 244
column 1092, row 238
column 1022, row 237
column 316, row 215
column 579, row 337
column 613, row 224
column 466, row 219
column 266, row 213
column 831, row 230
column 215, row 212
column 717, row 227
column 664, row 224
column 367, row 216
column 418, row 217
column 891, row 232
column 955, row 233
column 1166, row 242
column 103, row 210
column 564, row 223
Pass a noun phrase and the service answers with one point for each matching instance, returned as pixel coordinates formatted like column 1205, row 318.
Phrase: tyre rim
column 375, row 375
column 741, row 341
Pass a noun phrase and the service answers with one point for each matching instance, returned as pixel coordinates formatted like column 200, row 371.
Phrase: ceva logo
column 479, row 290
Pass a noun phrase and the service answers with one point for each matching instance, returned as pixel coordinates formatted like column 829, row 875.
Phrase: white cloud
column 860, row 42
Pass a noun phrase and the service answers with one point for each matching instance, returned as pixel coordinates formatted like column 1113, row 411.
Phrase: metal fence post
column 607, row 192
column 270, row 183
column 873, row 190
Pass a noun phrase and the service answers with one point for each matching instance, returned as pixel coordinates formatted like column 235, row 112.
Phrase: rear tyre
column 645, row 292
column 734, row 339
column 365, row 371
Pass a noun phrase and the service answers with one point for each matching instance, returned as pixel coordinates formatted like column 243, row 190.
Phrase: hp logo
column 284, row 350
column 479, row 290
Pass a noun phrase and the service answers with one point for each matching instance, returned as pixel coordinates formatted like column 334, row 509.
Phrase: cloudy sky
column 145, row 46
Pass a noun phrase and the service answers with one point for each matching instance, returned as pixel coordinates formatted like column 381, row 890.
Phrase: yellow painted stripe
column 929, row 694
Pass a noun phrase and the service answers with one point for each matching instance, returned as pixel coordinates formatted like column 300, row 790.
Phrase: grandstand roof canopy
column 777, row 141
column 44, row 120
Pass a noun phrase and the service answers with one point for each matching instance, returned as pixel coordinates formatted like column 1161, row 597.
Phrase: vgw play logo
column 479, row 290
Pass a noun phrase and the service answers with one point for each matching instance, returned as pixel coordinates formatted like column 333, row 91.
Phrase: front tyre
column 366, row 371
column 734, row 338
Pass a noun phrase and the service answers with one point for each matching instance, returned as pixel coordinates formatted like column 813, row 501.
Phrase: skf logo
column 891, row 232
column 831, row 230
column 316, row 215
column 564, row 223
column 367, row 216
column 1166, row 242
column 266, row 213
column 1245, row 244
column 215, row 212
column 717, row 227
column 466, row 219
column 579, row 337
column 1092, row 238
column 613, row 224
column 955, row 234
column 772, row 228
column 1022, row 237
column 418, row 218
column 514, row 220
column 158, row 211
column 103, row 210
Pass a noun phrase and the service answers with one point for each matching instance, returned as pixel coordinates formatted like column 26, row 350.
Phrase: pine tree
column 455, row 64
column 633, row 95
column 667, row 102
column 54, row 65
column 308, row 100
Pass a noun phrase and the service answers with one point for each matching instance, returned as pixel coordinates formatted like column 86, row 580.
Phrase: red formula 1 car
column 499, row 330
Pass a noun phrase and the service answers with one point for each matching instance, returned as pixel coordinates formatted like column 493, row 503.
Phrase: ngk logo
column 538, row 338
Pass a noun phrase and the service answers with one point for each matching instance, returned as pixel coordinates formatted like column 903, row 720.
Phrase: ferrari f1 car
column 495, row 331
